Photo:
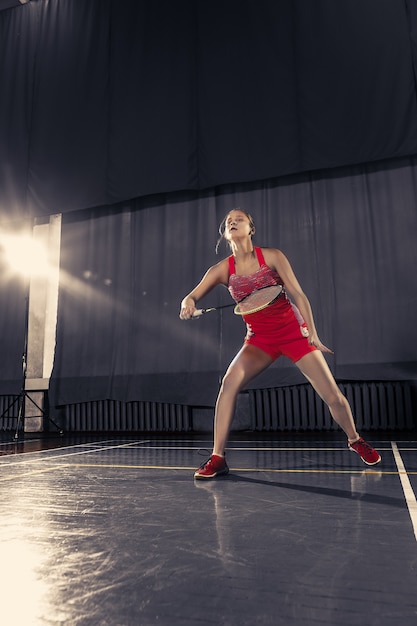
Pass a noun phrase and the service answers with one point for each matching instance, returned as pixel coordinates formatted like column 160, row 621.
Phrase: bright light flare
column 25, row 255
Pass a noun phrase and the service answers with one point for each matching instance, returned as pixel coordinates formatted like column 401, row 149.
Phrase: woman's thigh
column 246, row 365
column 315, row 368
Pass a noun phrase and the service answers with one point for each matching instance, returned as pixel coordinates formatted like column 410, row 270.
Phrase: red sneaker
column 215, row 466
column 365, row 451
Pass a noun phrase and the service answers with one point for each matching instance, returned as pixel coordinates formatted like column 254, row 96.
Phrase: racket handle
column 198, row 312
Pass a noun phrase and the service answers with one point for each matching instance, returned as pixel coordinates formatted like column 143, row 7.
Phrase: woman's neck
column 243, row 250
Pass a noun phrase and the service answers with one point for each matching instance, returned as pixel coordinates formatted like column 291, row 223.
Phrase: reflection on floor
column 114, row 531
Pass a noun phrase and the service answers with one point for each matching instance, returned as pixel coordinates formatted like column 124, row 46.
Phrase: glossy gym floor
column 114, row 531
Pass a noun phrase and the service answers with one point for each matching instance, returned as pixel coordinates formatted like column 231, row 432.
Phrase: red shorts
column 279, row 330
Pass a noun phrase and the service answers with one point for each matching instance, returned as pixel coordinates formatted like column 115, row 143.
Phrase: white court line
column 22, row 459
column 151, row 444
column 409, row 494
column 70, row 446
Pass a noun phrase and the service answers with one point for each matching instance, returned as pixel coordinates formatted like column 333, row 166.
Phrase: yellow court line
column 362, row 472
column 32, row 472
column 369, row 471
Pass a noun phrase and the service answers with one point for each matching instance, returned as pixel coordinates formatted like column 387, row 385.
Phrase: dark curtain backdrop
column 350, row 235
column 145, row 121
column 104, row 101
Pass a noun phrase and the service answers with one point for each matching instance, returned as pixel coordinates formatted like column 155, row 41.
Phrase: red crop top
column 241, row 286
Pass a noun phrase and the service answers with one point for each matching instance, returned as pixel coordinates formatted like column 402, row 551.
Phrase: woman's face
column 237, row 225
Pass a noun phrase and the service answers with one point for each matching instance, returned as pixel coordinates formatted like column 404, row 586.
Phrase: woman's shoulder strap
column 260, row 256
column 232, row 269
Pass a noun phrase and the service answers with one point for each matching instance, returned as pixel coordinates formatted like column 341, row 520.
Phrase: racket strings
column 258, row 300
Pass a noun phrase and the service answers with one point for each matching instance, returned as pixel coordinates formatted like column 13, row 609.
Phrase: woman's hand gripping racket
column 254, row 302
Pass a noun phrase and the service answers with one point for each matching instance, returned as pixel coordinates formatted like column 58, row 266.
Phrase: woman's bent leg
column 247, row 364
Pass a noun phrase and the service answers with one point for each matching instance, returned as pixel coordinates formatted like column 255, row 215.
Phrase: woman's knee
column 232, row 382
column 336, row 400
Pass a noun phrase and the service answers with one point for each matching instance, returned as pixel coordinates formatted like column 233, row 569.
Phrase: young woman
column 282, row 328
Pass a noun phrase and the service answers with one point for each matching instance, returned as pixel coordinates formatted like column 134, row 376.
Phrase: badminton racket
column 254, row 302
